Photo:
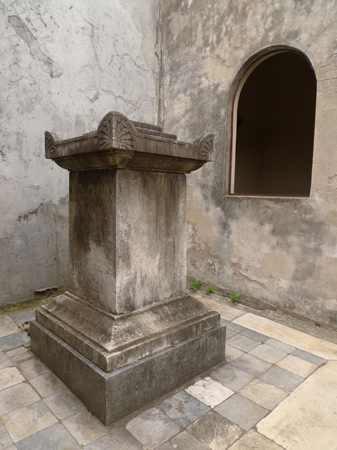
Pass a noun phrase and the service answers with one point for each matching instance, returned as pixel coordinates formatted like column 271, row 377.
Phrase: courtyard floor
column 276, row 390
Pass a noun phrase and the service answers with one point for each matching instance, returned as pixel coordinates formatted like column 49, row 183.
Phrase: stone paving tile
column 319, row 347
column 32, row 368
column 280, row 345
column 241, row 411
column 64, row 404
column 254, row 441
column 297, row 365
column 15, row 397
column 215, row 431
column 254, row 335
column 19, row 355
column 230, row 333
column 251, row 364
column 232, row 377
column 183, row 408
column 4, row 361
column 119, row 439
column 9, row 377
column 243, row 343
column 55, row 437
column 28, row 420
column 85, row 427
column 46, row 384
column 233, row 326
column 5, row 439
column 209, row 391
column 183, row 441
column 232, row 353
column 8, row 329
column 309, row 357
column 23, row 316
column 281, row 378
column 152, row 428
column 265, row 395
column 4, row 320
column 268, row 353
column 13, row 340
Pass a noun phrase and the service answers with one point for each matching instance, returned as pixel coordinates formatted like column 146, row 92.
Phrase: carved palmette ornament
column 205, row 146
column 116, row 131
column 50, row 140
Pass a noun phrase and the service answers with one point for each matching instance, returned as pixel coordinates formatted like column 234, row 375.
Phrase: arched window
column 273, row 124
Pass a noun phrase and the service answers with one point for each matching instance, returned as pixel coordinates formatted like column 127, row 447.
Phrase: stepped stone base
column 113, row 395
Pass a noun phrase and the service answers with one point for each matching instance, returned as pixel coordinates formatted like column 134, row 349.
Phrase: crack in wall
column 37, row 51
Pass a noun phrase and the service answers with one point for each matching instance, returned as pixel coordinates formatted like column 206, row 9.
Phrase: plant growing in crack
column 209, row 290
column 195, row 285
column 235, row 297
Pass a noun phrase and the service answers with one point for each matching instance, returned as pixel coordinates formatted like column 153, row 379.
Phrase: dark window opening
column 275, row 121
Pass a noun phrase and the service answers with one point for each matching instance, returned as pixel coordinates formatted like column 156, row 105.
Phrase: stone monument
column 126, row 332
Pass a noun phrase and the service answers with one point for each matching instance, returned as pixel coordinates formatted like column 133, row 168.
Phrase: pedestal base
column 113, row 395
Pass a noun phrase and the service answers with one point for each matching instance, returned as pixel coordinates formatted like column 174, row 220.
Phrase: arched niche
column 273, row 122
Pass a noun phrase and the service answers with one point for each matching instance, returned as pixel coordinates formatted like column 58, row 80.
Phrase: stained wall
column 279, row 250
column 63, row 66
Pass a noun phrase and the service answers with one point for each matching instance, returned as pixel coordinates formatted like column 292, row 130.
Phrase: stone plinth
column 126, row 333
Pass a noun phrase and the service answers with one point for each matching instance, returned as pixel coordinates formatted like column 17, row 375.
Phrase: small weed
column 209, row 290
column 195, row 285
column 235, row 297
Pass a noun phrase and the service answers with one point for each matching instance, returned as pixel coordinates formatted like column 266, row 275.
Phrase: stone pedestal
column 126, row 333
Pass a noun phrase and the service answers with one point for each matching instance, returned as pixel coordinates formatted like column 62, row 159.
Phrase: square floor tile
column 313, row 359
column 251, row 364
column 268, row 353
column 19, row 354
column 254, row 441
column 232, row 353
column 32, row 368
column 183, row 408
column 28, row 420
column 232, row 377
column 118, row 438
column 254, row 335
column 55, row 437
column 14, row 340
column 265, row 395
column 5, row 319
column 5, row 439
column 298, row 366
column 64, row 404
column 241, row 411
column 232, row 326
column 281, row 378
column 209, row 391
column 46, row 384
column 230, row 333
column 9, row 377
column 280, row 345
column 17, row 396
column 215, row 431
column 4, row 361
column 8, row 328
column 183, row 441
column 243, row 343
column 152, row 428
column 85, row 427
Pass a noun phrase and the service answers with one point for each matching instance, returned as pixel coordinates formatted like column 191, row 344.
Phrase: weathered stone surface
column 306, row 420
column 112, row 341
column 266, row 248
column 127, row 238
column 111, row 396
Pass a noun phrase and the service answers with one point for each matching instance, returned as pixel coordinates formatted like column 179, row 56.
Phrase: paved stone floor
column 276, row 390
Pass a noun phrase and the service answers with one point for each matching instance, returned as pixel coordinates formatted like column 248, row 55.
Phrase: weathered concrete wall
column 279, row 250
column 63, row 65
